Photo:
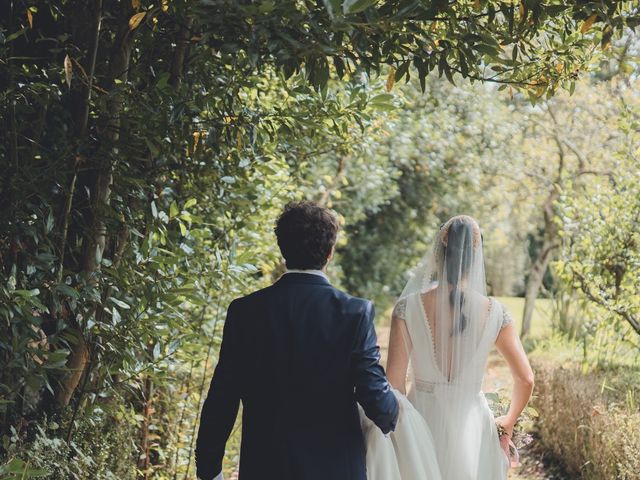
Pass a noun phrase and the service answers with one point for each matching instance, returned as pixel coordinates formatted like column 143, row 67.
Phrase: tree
column 567, row 143
column 442, row 146
column 600, row 230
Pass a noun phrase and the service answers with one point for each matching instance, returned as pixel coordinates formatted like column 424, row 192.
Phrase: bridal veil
column 443, row 328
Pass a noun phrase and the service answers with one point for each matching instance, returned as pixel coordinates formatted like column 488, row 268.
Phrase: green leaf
column 402, row 70
column 332, row 6
column 120, row 303
column 27, row 293
column 17, row 34
column 56, row 359
column 356, row 6
column 155, row 151
column 50, row 222
column 448, row 73
column 492, row 397
column 173, row 209
column 67, row 290
column 464, row 68
column 382, row 98
column 115, row 315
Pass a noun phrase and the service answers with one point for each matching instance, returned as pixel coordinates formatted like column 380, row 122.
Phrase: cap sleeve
column 400, row 310
column 507, row 318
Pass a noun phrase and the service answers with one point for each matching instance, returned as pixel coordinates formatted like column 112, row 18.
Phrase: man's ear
column 331, row 253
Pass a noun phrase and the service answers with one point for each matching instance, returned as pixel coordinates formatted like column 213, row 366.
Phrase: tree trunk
column 180, row 54
column 541, row 263
column 103, row 165
column 98, row 183
column 87, row 24
column 534, row 282
column 76, row 365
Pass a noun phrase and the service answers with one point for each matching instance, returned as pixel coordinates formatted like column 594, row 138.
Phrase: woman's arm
column 398, row 355
column 509, row 345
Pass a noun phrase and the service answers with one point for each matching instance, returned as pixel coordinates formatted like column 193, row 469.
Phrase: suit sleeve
column 372, row 389
column 221, row 406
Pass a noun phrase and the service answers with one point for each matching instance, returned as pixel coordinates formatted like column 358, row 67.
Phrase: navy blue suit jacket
column 299, row 355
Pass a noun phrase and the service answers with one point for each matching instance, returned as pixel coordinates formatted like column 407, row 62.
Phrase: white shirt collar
column 310, row 272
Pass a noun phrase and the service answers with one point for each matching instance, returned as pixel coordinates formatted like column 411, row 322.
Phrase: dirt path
column 497, row 377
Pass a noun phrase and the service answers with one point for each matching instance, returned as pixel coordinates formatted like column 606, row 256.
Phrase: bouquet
column 499, row 405
column 508, row 446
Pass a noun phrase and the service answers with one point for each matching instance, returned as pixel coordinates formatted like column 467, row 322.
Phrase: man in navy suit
column 300, row 355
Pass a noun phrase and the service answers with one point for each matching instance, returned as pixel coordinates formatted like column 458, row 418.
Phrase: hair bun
column 466, row 219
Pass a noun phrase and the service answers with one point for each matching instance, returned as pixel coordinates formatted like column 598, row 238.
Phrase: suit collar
column 308, row 278
column 312, row 272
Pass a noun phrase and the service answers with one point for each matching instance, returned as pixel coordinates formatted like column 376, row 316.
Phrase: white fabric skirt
column 408, row 453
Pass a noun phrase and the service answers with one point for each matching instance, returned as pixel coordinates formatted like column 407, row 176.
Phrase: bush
column 102, row 448
column 590, row 421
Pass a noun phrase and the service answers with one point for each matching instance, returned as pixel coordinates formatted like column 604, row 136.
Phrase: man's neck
column 310, row 271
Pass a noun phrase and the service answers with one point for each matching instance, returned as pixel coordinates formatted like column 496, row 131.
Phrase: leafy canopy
column 538, row 46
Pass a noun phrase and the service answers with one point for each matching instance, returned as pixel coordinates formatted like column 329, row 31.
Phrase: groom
column 299, row 354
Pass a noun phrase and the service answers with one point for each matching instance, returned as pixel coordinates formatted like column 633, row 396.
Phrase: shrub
column 101, row 449
column 590, row 421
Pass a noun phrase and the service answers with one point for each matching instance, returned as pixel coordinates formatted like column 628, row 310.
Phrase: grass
column 541, row 321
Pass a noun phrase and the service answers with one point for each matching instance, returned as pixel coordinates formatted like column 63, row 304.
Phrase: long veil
column 440, row 333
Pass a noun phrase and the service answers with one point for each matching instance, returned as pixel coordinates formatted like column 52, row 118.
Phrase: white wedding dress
column 445, row 429
column 405, row 454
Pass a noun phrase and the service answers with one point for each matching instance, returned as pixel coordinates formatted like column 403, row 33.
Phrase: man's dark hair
column 306, row 234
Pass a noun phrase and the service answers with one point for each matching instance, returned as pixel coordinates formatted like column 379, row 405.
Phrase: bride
column 442, row 331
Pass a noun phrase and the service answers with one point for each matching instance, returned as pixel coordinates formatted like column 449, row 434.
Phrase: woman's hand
column 505, row 431
column 507, row 424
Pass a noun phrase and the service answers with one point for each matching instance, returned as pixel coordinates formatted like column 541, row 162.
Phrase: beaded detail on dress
column 400, row 310
column 507, row 318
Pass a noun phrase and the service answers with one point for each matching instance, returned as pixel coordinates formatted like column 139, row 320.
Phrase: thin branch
column 604, row 302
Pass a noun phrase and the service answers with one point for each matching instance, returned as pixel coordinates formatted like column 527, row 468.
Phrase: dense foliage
column 535, row 45
column 602, row 256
